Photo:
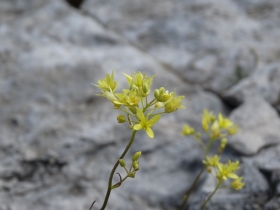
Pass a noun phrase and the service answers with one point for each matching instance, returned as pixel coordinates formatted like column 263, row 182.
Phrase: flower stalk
column 109, row 189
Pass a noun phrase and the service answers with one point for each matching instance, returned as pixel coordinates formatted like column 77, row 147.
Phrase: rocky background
column 58, row 140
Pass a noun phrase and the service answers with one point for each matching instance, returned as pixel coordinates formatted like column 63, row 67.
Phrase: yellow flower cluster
column 224, row 171
column 140, row 113
column 218, row 128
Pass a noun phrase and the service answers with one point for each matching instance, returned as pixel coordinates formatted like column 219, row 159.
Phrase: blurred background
column 59, row 141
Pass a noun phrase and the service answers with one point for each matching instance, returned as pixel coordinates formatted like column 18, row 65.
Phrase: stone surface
column 212, row 43
column 59, row 140
column 265, row 82
column 259, row 124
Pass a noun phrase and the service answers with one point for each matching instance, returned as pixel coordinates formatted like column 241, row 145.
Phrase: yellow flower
column 233, row 130
column 237, row 184
column 173, row 103
column 139, row 79
column 207, row 118
column 224, row 122
column 215, row 130
column 212, row 161
column 145, row 123
column 108, row 83
column 187, row 130
column 227, row 170
column 128, row 98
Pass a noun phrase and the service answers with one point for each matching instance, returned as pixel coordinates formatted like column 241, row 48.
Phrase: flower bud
column 215, row 130
column 161, row 90
column 138, row 79
column 122, row 162
column 133, row 109
column 121, row 118
column 135, row 165
column 156, row 93
column 187, row 130
column 145, row 88
column 136, row 156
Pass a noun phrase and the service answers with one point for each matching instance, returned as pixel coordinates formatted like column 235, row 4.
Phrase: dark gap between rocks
column 272, row 187
column 75, row 3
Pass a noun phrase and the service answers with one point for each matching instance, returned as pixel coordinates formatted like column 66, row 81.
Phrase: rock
column 205, row 42
column 265, row 82
column 259, row 126
column 273, row 204
column 13, row 9
column 58, row 140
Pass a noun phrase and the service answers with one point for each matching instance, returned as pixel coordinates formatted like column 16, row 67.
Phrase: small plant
column 138, row 112
column 218, row 128
column 142, row 114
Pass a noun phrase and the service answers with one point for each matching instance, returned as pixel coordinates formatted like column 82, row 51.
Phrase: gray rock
column 265, row 82
column 59, row 140
column 259, row 126
column 211, row 43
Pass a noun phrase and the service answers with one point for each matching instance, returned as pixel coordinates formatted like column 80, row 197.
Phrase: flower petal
column 150, row 132
column 140, row 115
column 153, row 120
column 232, row 176
column 137, row 127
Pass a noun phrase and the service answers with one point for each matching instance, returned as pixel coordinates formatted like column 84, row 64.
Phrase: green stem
column 114, row 169
column 187, row 195
column 149, row 104
column 208, row 199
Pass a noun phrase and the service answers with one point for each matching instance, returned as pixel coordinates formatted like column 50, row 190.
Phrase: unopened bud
column 135, row 165
column 136, row 156
column 121, row 118
column 145, row 88
column 156, row 93
column 139, row 79
column 122, row 162
column 133, row 109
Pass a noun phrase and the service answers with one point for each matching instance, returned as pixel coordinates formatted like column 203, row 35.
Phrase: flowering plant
column 218, row 128
column 142, row 114
column 138, row 112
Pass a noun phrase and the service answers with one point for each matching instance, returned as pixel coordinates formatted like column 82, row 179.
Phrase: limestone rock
column 259, row 124
column 265, row 82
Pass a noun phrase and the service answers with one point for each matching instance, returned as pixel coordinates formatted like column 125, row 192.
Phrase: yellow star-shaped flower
column 145, row 123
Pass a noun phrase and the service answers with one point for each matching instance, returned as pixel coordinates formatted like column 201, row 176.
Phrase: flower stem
column 187, row 195
column 208, row 199
column 114, row 169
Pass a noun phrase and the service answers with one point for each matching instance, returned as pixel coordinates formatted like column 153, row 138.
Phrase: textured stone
column 59, row 141
column 265, row 82
column 211, row 43
column 259, row 124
